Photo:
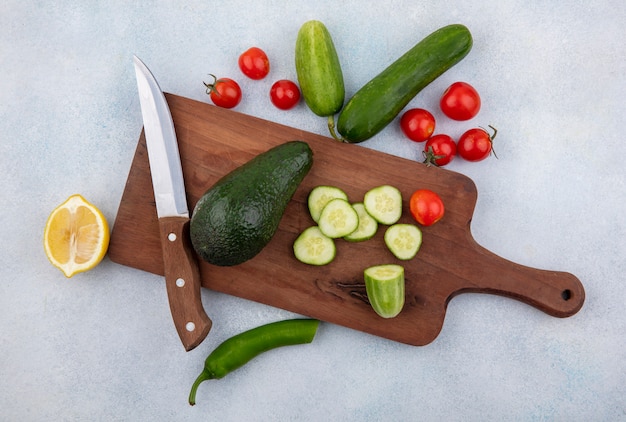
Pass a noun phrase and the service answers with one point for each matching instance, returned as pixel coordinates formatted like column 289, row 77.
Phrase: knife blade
column 182, row 276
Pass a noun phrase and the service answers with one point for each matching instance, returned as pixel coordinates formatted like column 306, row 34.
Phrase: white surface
column 102, row 346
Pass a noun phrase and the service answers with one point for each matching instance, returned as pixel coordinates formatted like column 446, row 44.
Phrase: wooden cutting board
column 213, row 141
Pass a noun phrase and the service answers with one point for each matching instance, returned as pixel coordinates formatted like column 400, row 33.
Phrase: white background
column 101, row 346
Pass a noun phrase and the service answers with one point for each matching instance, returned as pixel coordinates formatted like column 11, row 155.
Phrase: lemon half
column 76, row 237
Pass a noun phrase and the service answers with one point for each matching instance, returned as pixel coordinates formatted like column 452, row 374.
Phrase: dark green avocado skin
column 238, row 216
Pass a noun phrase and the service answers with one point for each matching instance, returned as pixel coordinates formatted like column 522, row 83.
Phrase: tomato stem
column 430, row 158
column 211, row 87
column 491, row 138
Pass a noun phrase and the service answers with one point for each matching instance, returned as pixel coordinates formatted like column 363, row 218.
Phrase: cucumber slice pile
column 336, row 218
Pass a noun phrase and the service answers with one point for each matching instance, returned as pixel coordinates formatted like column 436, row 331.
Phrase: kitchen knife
column 182, row 277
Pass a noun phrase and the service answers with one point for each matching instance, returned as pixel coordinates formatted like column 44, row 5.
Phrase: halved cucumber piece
column 384, row 203
column 384, row 285
column 338, row 219
column 403, row 240
column 367, row 225
column 313, row 247
column 320, row 196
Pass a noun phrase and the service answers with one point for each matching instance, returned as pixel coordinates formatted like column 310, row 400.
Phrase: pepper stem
column 192, row 394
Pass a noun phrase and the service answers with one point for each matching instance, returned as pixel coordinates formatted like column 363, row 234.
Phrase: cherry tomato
column 417, row 124
column 254, row 63
column 224, row 92
column 426, row 207
column 439, row 150
column 285, row 94
column 460, row 101
column 476, row 144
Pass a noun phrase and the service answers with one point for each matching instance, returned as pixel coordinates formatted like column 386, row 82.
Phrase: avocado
column 238, row 216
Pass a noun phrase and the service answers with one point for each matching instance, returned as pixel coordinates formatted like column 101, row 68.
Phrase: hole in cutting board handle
column 566, row 294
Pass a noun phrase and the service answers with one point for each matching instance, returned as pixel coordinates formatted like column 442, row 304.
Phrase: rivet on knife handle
column 182, row 279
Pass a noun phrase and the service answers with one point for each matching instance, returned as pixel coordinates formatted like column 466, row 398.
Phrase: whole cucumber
column 379, row 101
column 318, row 69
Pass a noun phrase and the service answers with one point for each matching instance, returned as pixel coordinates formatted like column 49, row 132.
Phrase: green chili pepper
column 240, row 349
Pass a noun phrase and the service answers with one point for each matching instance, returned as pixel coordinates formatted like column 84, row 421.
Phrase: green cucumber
column 384, row 203
column 367, row 225
column 384, row 285
column 318, row 69
column 320, row 196
column 313, row 247
column 338, row 219
column 379, row 101
column 403, row 240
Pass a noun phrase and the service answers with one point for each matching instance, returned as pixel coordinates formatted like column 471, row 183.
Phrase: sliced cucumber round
column 403, row 240
column 322, row 195
column 367, row 225
column 313, row 247
column 384, row 203
column 338, row 219
column 384, row 285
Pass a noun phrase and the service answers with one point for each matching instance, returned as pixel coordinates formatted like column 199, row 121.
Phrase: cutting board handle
column 556, row 293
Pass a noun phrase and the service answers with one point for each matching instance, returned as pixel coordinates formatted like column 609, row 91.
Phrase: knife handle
column 182, row 279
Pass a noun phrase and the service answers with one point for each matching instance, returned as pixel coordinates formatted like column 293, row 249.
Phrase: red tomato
column 476, row 144
column 460, row 101
column 254, row 63
column 426, row 207
column 224, row 92
column 284, row 94
column 439, row 150
column 417, row 124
